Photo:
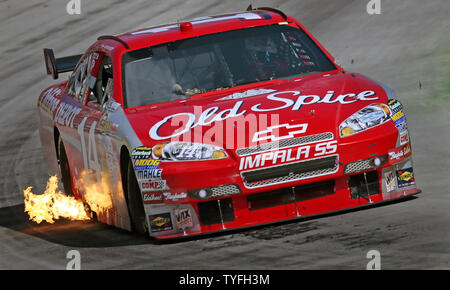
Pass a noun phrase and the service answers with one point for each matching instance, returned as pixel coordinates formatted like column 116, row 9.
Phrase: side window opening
column 104, row 74
column 82, row 79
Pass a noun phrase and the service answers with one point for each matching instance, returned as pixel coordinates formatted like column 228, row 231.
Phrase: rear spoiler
column 55, row 66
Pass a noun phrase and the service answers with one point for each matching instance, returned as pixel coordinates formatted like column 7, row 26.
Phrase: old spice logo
column 293, row 100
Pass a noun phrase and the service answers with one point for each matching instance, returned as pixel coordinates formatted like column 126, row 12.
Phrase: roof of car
column 197, row 26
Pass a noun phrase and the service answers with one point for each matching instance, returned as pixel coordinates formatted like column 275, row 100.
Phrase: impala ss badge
column 272, row 133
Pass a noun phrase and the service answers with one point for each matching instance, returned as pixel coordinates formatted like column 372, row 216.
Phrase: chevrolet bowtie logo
column 273, row 133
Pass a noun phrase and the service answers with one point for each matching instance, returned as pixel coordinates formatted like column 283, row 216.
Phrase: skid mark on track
column 358, row 238
column 267, row 234
column 282, row 231
column 231, row 241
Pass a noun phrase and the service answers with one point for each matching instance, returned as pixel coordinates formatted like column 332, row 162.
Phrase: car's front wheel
column 135, row 203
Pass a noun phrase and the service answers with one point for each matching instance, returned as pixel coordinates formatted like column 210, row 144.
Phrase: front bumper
column 176, row 213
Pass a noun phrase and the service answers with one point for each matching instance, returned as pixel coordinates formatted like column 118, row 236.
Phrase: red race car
column 219, row 123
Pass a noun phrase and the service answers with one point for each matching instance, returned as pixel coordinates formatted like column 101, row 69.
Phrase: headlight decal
column 366, row 118
column 185, row 151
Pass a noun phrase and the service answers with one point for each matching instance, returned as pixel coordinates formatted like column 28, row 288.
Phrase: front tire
column 135, row 203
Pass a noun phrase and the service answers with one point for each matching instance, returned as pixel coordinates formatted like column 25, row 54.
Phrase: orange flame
column 96, row 194
column 53, row 204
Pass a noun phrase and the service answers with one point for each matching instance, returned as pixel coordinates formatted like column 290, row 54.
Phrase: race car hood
column 247, row 115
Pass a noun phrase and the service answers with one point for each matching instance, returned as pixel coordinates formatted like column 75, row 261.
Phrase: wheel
column 135, row 203
column 64, row 168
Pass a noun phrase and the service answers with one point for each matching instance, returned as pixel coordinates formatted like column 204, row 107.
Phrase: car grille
column 285, row 143
column 215, row 191
column 224, row 190
column 290, row 172
column 363, row 165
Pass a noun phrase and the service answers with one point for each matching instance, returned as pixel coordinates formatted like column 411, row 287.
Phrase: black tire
column 135, row 203
column 64, row 168
column 66, row 177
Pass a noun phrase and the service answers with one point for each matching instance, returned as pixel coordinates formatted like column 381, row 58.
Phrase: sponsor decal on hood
column 276, row 101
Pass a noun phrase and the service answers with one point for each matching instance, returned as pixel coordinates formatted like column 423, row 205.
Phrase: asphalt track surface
column 407, row 47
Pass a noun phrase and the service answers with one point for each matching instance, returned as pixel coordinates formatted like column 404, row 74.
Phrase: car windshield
column 183, row 68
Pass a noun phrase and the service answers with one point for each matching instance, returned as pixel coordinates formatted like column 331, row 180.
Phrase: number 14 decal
column 90, row 158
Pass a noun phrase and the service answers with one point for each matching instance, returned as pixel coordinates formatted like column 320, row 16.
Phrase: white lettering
column 215, row 114
column 287, row 102
column 287, row 155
